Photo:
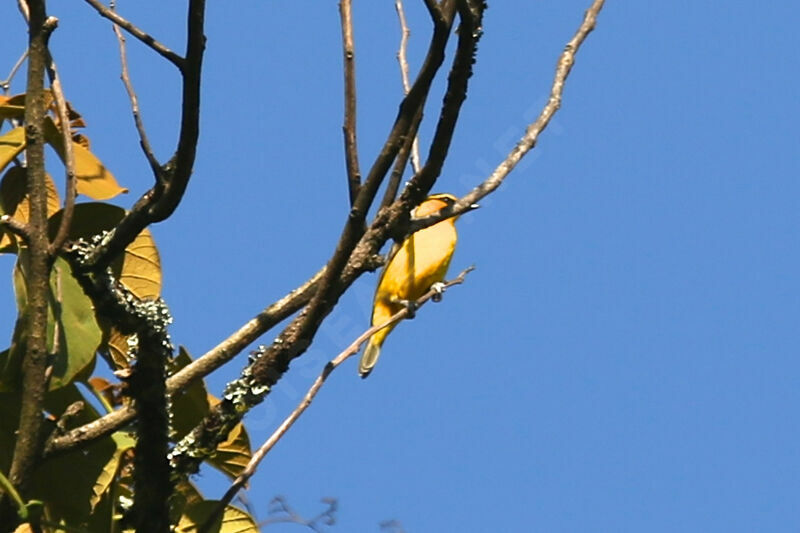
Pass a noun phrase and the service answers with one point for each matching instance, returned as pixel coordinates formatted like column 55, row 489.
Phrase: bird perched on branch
column 411, row 270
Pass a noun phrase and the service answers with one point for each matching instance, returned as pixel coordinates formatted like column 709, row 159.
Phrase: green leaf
column 11, row 144
column 73, row 333
column 79, row 334
column 233, row 520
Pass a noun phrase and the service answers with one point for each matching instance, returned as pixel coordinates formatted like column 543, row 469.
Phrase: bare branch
column 16, row 227
column 402, row 59
column 69, row 158
column 528, row 141
column 5, row 84
column 351, row 350
column 161, row 201
column 147, row 39
column 469, row 32
column 137, row 117
column 349, row 127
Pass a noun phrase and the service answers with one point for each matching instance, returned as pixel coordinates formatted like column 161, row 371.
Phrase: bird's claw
column 438, row 291
column 410, row 305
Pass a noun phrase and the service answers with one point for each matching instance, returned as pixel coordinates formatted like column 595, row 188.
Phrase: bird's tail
column 370, row 357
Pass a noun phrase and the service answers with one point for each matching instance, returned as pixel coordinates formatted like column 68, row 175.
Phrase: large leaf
column 11, row 359
column 94, row 179
column 14, row 201
column 233, row 520
column 124, row 443
column 139, row 269
column 11, row 144
column 233, row 453
column 73, row 333
column 79, row 334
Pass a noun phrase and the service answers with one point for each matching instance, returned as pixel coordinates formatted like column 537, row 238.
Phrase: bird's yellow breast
column 421, row 261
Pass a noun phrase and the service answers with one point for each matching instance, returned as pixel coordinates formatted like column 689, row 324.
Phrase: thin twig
column 349, row 127
column 6, row 83
column 351, row 350
column 402, row 59
column 69, row 157
column 137, row 117
column 528, row 141
column 147, row 39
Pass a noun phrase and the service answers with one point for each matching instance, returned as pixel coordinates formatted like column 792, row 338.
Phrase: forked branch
column 528, row 141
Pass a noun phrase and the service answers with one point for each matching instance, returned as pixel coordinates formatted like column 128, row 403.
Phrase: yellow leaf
column 117, row 348
column 14, row 106
column 94, row 179
column 14, row 199
column 11, row 144
column 233, row 454
column 233, row 520
column 141, row 268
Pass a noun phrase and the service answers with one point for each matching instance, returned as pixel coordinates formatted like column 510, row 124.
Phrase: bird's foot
column 438, row 291
column 410, row 305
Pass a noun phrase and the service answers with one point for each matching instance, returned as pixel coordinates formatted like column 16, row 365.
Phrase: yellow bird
column 411, row 270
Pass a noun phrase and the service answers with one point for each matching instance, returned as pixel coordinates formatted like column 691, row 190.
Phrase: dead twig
column 402, row 59
column 137, row 116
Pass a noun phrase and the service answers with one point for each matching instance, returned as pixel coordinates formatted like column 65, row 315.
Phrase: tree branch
column 144, row 142
column 69, row 158
column 528, row 141
column 147, row 39
column 256, row 382
column 349, row 127
column 27, row 448
column 5, row 84
column 469, row 32
column 161, row 201
column 402, row 60
column 351, row 350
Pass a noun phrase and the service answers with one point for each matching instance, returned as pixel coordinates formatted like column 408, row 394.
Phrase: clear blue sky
column 625, row 356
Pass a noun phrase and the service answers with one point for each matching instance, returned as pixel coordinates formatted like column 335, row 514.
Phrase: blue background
column 625, row 356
